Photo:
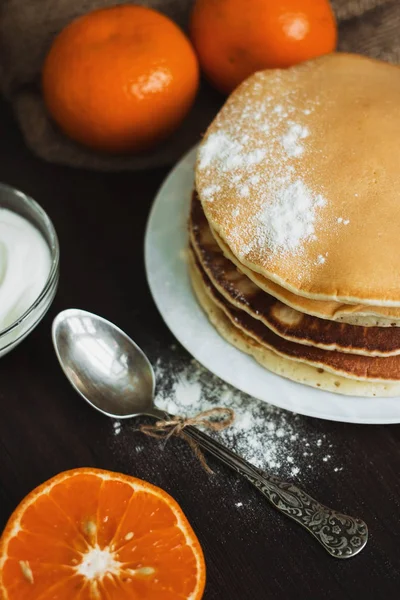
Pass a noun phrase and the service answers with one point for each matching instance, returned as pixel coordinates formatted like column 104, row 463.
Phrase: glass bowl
column 24, row 206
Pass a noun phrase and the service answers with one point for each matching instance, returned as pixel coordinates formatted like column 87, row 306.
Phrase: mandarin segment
column 148, row 549
column 145, row 513
column 45, row 518
column 113, row 502
column 119, row 539
column 124, row 588
column 78, row 497
column 149, row 554
column 143, row 590
column 45, row 577
column 43, row 549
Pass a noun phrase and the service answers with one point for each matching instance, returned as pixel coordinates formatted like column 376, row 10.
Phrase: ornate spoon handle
column 342, row 536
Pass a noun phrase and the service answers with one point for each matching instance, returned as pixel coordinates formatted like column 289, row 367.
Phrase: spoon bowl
column 103, row 364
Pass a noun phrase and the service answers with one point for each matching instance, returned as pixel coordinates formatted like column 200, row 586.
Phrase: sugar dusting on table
column 266, row 436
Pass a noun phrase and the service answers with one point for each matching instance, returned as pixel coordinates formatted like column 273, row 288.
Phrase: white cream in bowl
column 25, row 263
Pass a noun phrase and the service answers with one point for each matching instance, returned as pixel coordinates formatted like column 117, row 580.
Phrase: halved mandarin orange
column 89, row 534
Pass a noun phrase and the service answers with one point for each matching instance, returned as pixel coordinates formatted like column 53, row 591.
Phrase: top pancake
column 300, row 176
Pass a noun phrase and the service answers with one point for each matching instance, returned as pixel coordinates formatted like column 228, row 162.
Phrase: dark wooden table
column 251, row 554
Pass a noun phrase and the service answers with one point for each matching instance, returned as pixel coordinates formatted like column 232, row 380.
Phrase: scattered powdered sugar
column 244, row 191
column 254, row 157
column 254, row 179
column 229, row 152
column 208, row 192
column 117, row 427
column 278, row 109
column 291, row 141
column 290, row 218
column 186, row 393
column 321, row 259
column 266, row 436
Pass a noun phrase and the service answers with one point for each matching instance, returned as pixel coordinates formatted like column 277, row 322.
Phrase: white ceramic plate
column 165, row 248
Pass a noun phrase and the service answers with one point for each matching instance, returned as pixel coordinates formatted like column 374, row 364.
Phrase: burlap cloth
column 27, row 28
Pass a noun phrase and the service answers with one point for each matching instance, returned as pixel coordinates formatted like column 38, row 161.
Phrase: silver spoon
column 114, row 376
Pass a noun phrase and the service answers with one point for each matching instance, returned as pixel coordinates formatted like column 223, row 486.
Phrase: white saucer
column 165, row 252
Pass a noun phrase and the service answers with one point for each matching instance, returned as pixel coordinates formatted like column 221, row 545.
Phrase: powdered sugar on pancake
column 290, row 219
column 291, row 141
column 257, row 134
column 209, row 191
column 229, row 153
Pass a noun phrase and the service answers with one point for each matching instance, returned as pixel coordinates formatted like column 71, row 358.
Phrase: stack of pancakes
column 295, row 223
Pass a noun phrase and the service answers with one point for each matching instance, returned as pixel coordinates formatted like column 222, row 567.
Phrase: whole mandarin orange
column 120, row 79
column 235, row 38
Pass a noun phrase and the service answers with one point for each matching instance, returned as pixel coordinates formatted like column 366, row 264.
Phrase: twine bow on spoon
column 176, row 427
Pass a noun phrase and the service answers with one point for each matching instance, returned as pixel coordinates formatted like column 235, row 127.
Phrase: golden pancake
column 353, row 314
column 360, row 368
column 284, row 366
column 290, row 324
column 300, row 176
